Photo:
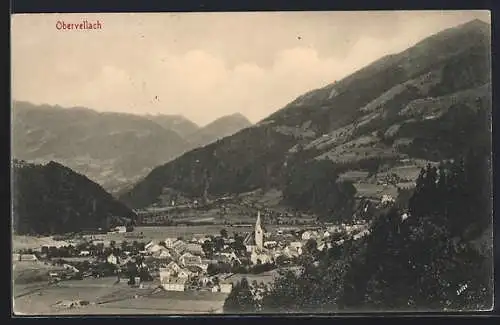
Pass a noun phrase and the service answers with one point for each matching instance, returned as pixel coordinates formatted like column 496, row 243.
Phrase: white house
column 121, row 229
column 161, row 254
column 112, row 259
column 257, row 256
column 169, row 242
column 226, row 287
column 24, row 257
column 270, row 244
column 175, row 284
column 194, row 248
column 306, row 235
column 250, row 248
column 387, row 199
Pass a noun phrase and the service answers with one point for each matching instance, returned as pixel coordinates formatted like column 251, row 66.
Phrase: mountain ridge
column 360, row 118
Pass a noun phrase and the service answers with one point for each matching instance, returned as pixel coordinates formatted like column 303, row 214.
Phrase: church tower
column 259, row 235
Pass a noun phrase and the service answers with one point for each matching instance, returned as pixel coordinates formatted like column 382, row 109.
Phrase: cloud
column 200, row 65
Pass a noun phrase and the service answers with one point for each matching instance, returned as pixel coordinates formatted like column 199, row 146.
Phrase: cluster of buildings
column 182, row 265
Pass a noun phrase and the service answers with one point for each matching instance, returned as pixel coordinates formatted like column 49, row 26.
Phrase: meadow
column 107, row 298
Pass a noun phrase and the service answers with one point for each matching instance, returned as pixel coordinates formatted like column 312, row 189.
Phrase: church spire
column 259, row 236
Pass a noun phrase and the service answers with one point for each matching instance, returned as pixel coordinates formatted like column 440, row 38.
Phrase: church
column 255, row 244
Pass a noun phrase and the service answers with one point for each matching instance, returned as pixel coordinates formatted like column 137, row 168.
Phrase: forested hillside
column 435, row 256
column 428, row 103
column 53, row 199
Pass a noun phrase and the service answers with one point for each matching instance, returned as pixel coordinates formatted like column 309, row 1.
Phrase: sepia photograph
column 242, row 163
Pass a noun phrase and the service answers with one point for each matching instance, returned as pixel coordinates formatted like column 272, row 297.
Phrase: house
column 148, row 245
column 306, row 235
column 184, row 274
column 250, row 248
column 204, row 280
column 226, row 287
column 386, row 199
column 290, row 252
column 361, row 234
column 203, row 240
column 174, row 284
column 24, row 257
column 296, row 245
column 155, row 248
column 179, row 246
column 121, row 229
column 71, row 268
column 189, row 259
column 194, row 248
column 270, row 244
column 204, row 266
column 223, row 287
column 161, row 254
column 259, row 258
column 169, row 242
column 194, row 269
column 173, row 267
column 112, row 259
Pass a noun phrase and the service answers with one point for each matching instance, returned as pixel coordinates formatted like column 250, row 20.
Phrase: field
column 107, row 298
column 162, row 232
column 265, row 277
column 26, row 242
column 31, row 272
column 374, row 191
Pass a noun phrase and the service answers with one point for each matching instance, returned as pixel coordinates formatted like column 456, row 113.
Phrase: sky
column 205, row 65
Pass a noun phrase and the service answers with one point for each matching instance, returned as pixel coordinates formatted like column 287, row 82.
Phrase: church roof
column 249, row 239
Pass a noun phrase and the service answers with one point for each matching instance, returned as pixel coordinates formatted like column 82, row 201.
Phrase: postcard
column 251, row 163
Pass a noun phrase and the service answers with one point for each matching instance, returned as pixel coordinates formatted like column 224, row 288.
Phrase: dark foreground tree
column 431, row 260
column 240, row 300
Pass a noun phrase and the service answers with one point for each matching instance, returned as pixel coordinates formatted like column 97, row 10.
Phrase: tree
column 208, row 248
column 223, row 233
column 387, row 270
column 218, row 244
column 241, row 299
column 124, row 245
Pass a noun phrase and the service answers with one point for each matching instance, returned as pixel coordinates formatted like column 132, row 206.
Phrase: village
column 200, row 263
